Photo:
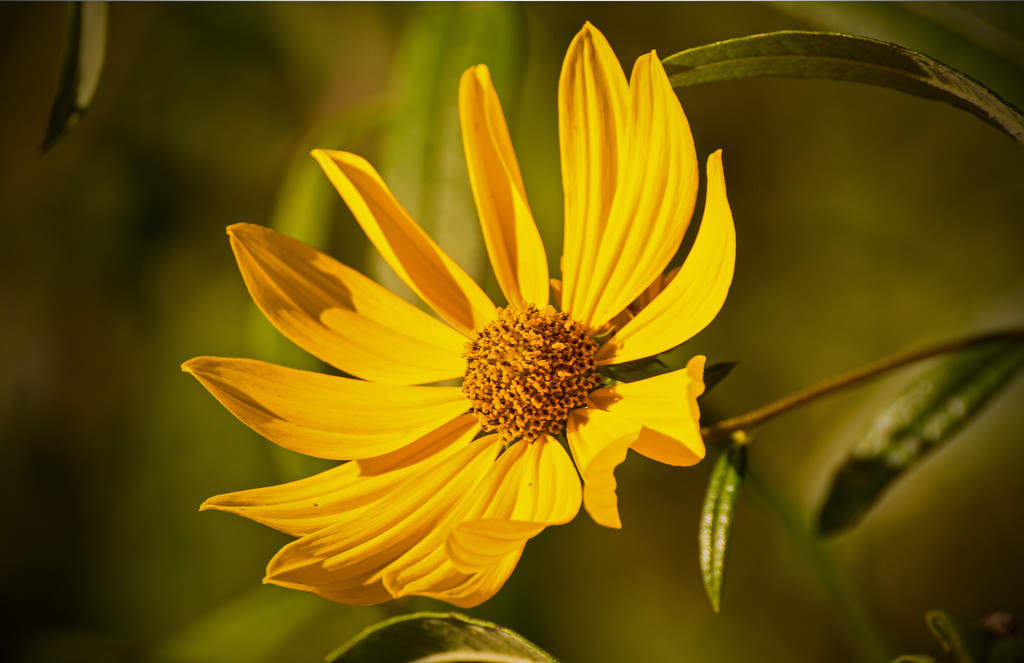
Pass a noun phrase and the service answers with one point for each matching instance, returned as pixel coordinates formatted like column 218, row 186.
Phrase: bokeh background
column 868, row 223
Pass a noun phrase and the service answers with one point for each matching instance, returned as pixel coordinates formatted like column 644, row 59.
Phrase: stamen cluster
column 527, row 369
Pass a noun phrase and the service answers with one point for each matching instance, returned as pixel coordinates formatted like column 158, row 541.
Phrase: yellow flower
column 446, row 484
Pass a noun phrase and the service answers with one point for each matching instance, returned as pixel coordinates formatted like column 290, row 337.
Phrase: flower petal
column 348, row 492
column 666, row 407
column 325, row 415
column 592, row 108
column 532, row 485
column 464, row 590
column 599, row 441
column 695, row 295
column 513, row 242
column 432, row 275
column 340, row 316
column 654, row 198
column 349, row 561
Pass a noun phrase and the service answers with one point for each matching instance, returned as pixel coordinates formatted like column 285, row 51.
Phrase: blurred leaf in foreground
column 449, row 637
column 249, row 629
column 85, row 36
column 717, row 518
column 921, row 418
column 799, row 54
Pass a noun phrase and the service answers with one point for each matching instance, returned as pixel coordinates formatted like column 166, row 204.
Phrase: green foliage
column 924, row 416
column 429, row 636
column 966, row 640
column 990, row 640
column 250, row 629
column 717, row 518
column 717, row 372
column 799, row 54
column 85, row 35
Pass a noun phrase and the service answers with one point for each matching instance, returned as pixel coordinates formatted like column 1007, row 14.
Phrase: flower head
column 446, row 484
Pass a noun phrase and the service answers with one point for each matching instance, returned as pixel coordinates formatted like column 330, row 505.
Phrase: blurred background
column 869, row 223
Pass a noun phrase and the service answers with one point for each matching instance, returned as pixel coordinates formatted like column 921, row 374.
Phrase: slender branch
column 874, row 369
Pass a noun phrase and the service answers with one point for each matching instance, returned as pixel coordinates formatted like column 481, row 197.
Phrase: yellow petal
column 697, row 292
column 654, row 198
column 511, row 236
column 666, row 407
column 348, row 492
column 599, row 441
column 467, row 590
column 325, row 415
column 432, row 275
column 532, row 485
column 349, row 561
column 340, row 316
column 592, row 107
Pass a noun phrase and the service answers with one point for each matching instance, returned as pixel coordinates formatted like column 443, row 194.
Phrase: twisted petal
column 513, row 243
column 356, row 559
column 654, row 192
column 593, row 99
column 532, row 485
column 666, row 407
column 599, row 441
column 324, row 415
column 695, row 295
column 340, row 316
column 432, row 275
column 349, row 492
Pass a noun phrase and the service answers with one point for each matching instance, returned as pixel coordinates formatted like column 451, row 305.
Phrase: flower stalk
column 874, row 369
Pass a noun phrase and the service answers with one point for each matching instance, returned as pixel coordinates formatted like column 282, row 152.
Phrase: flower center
column 526, row 370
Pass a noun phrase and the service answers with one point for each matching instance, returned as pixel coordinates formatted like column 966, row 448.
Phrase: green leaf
column 85, row 35
column 438, row 638
column 968, row 641
column 922, row 417
column 251, row 628
column 799, row 54
column 914, row 658
column 717, row 518
column 717, row 372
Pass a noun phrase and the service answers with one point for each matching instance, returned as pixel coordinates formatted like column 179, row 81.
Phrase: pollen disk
column 527, row 369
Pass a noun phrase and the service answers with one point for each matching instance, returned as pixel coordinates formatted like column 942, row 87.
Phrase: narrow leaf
column 438, row 637
column 717, row 372
column 85, row 36
column 914, row 658
column 921, row 418
column 968, row 641
column 800, row 54
column 717, row 518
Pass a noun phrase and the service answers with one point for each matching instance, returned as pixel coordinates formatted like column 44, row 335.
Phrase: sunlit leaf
column 798, row 54
column 914, row 658
column 968, row 641
column 717, row 519
column 919, row 420
column 438, row 637
column 85, row 36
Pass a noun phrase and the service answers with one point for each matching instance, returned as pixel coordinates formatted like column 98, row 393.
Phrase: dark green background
column 868, row 223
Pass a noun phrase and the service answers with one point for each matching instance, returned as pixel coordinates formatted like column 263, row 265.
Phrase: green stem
column 863, row 631
column 825, row 387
